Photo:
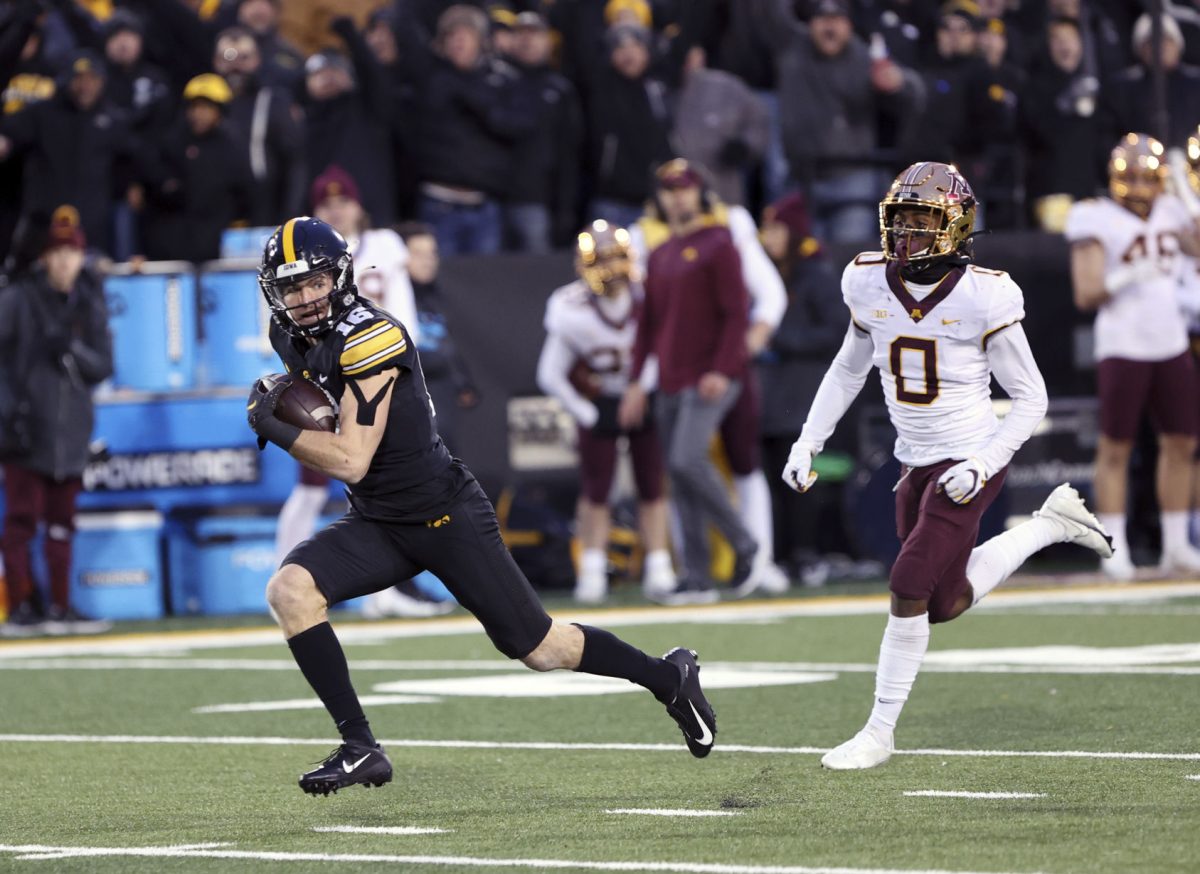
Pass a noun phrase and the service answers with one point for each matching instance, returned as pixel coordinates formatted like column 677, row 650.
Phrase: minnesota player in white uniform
column 1126, row 265
column 1184, row 165
column 381, row 259
column 937, row 328
column 740, row 430
column 590, row 328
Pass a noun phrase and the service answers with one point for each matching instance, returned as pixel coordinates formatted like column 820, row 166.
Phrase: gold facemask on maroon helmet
column 938, row 189
column 1137, row 172
column 604, row 257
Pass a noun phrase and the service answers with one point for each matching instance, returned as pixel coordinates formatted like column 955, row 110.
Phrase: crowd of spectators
column 510, row 124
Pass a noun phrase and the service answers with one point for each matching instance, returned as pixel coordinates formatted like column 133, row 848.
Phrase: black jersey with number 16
column 412, row 477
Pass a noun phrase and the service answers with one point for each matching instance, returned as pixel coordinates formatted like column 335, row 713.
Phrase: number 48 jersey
column 930, row 348
column 1143, row 321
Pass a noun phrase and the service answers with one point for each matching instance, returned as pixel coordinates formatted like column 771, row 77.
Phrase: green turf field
column 179, row 750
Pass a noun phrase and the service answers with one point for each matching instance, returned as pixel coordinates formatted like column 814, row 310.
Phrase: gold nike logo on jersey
column 951, row 321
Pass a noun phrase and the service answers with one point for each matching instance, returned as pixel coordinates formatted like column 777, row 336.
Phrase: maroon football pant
column 31, row 498
column 598, row 464
column 936, row 536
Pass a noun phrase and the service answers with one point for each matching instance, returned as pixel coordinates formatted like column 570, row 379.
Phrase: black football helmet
column 940, row 190
column 300, row 248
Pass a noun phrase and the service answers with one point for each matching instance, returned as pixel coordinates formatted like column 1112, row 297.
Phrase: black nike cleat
column 689, row 708
column 349, row 764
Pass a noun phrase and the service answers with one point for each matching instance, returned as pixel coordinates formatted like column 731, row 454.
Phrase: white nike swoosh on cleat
column 706, row 737
column 349, row 769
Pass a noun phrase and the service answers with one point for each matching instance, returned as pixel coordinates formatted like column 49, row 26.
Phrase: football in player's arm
column 937, row 328
column 413, row 507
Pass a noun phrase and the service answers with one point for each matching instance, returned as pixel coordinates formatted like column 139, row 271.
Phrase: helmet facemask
column 1137, row 173
column 939, row 192
column 604, row 258
column 335, row 304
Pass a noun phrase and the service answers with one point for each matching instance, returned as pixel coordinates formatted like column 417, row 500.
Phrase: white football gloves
column 964, row 481
column 1135, row 272
column 798, row 472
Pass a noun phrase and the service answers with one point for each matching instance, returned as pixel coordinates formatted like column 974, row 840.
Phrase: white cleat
column 591, row 588
column 1185, row 561
column 767, row 577
column 659, row 583
column 865, row 750
column 1118, row 568
column 1065, row 506
column 393, row 602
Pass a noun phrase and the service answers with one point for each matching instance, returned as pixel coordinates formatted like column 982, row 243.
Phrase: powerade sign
column 174, row 468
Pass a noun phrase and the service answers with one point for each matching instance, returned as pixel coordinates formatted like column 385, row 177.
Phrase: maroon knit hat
column 791, row 210
column 333, row 182
column 65, row 230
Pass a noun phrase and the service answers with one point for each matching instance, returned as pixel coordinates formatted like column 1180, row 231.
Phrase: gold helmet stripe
column 289, row 241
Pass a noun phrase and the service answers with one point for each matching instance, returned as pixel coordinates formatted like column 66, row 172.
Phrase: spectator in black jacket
column 264, row 119
column 346, row 120
column 1066, row 144
column 208, row 184
column 54, row 348
column 943, row 131
column 27, row 77
column 1129, row 95
column 282, row 63
column 469, row 118
column 446, row 373
column 143, row 93
column 993, row 140
column 794, row 362
column 380, row 34
column 69, row 145
column 541, row 206
column 629, row 122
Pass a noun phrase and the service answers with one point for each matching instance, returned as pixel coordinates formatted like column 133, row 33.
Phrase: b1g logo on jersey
column 353, row 319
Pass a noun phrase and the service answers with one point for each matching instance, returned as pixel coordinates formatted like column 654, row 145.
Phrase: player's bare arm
column 346, row 455
column 1087, row 274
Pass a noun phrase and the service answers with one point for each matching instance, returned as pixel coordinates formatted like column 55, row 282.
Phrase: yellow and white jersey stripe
column 370, row 346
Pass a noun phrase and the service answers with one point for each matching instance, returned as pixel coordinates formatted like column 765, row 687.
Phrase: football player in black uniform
column 412, row 507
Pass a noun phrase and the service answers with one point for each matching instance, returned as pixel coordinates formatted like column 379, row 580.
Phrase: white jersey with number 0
column 930, row 348
column 1142, row 322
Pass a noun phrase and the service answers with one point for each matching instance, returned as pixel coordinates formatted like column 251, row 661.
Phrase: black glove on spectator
column 734, row 153
column 260, row 413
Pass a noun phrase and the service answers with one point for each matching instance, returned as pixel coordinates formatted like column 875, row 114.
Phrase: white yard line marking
column 381, row 830
column 557, row 745
column 312, row 704
column 75, row 852
column 651, row 811
column 39, row 851
column 1192, row 777
column 369, row 633
column 937, row 793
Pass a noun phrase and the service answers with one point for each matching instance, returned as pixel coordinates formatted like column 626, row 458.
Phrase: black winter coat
column 68, row 158
column 54, row 349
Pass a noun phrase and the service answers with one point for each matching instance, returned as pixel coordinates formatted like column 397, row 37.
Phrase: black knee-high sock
column 321, row 660
column 607, row 655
